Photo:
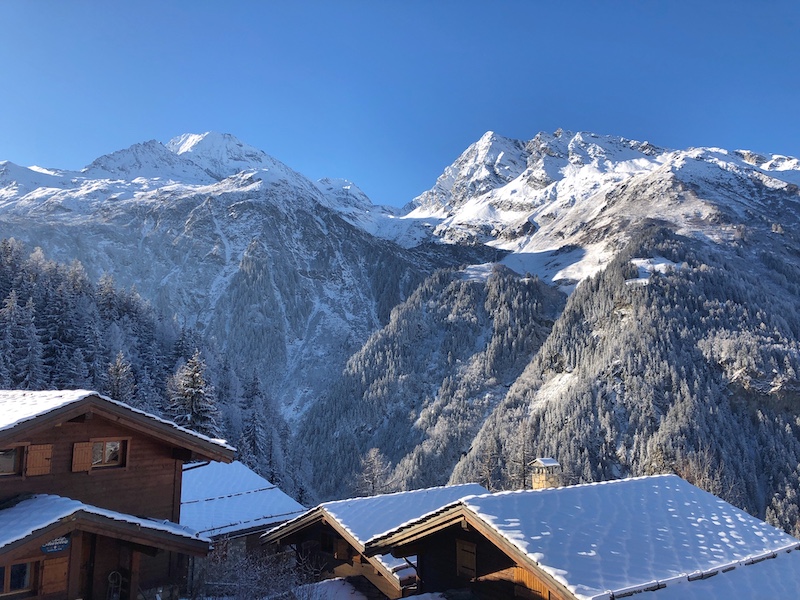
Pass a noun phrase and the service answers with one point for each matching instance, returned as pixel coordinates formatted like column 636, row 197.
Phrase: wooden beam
column 75, row 562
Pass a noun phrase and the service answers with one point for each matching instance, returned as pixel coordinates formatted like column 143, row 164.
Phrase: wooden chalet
column 657, row 538
column 90, row 495
column 334, row 535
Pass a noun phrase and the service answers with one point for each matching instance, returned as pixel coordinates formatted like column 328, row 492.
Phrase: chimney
column 546, row 474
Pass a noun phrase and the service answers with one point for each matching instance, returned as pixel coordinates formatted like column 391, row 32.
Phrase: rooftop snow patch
column 226, row 499
column 17, row 406
column 627, row 535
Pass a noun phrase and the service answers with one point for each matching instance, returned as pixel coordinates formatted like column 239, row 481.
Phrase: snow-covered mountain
column 687, row 308
column 563, row 204
column 229, row 241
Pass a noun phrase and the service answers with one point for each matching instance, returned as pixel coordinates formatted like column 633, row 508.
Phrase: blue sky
column 387, row 93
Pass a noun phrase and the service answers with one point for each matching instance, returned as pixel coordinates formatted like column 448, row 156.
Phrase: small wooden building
column 660, row 537
column 334, row 534
column 99, row 485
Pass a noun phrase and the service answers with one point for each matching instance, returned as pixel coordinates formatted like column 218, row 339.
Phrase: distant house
column 232, row 502
column 90, row 497
column 656, row 537
column 336, row 533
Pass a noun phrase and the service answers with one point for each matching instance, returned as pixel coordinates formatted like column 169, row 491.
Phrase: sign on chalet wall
column 56, row 545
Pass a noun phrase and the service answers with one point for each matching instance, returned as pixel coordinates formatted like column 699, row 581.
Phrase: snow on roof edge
column 428, row 515
column 698, row 575
column 67, row 507
column 250, row 524
column 81, row 394
column 322, row 505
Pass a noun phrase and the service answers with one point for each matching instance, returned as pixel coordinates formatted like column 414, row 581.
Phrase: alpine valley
column 624, row 308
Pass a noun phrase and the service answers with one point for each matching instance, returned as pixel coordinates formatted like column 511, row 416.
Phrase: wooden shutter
column 81, row 456
column 54, row 575
column 465, row 559
column 37, row 461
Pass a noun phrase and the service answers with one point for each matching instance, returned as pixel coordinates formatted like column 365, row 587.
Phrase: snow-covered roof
column 778, row 577
column 370, row 516
column 227, row 499
column 546, row 462
column 366, row 517
column 18, row 406
column 37, row 512
column 630, row 535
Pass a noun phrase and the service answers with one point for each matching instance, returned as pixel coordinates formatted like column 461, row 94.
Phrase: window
column 11, row 461
column 108, row 453
column 15, row 578
column 100, row 453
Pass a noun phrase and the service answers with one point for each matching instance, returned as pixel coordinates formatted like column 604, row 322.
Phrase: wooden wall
column 149, row 484
column 497, row 576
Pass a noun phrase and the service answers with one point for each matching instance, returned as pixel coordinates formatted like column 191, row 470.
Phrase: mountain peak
column 200, row 142
column 489, row 163
column 223, row 155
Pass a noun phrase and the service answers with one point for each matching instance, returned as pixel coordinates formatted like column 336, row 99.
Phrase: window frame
column 21, row 450
column 5, row 580
column 83, row 455
column 124, row 453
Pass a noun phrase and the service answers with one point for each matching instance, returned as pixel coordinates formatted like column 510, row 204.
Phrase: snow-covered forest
column 59, row 330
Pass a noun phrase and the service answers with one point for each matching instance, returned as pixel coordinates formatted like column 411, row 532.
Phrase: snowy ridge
column 221, row 155
column 489, row 163
column 148, row 160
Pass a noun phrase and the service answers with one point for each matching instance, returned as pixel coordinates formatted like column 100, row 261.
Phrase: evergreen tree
column 121, row 385
column 192, row 399
column 147, row 398
column 24, row 358
column 253, row 445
